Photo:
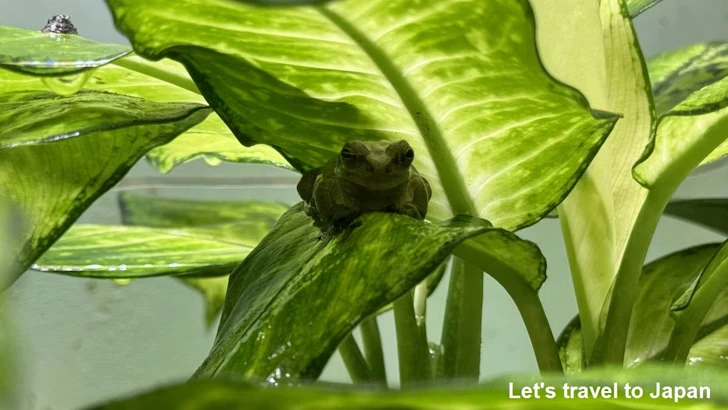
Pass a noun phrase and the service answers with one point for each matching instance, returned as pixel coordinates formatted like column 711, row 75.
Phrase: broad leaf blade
column 677, row 74
column 300, row 292
column 601, row 211
column 691, row 96
column 125, row 252
column 148, row 210
column 59, row 154
column 213, row 395
column 250, row 221
column 173, row 237
column 369, row 71
column 711, row 213
column 661, row 282
column 211, row 139
column 38, row 53
column 651, row 326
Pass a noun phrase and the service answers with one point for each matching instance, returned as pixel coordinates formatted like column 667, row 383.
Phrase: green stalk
column 688, row 322
column 151, row 69
column 412, row 349
column 354, row 360
column 373, row 349
column 527, row 302
column 461, row 330
column 612, row 342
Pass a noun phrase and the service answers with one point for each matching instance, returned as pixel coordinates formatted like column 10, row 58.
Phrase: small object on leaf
column 366, row 176
column 60, row 24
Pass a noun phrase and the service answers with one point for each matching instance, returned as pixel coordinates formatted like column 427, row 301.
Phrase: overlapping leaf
column 482, row 114
column 47, row 54
column 711, row 213
column 250, row 221
column 662, row 282
column 300, row 291
column 691, row 96
column 174, row 237
column 213, row 395
column 164, row 81
column 126, row 252
column 58, row 154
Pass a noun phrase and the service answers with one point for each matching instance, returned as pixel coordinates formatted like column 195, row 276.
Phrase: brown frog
column 366, row 176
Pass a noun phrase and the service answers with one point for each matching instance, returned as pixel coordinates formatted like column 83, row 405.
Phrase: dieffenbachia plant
column 500, row 133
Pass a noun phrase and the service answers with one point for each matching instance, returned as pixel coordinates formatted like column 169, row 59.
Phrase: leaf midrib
column 451, row 180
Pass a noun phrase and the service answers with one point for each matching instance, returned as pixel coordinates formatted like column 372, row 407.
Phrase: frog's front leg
column 332, row 205
column 419, row 195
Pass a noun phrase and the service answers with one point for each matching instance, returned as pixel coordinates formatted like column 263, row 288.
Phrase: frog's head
column 375, row 164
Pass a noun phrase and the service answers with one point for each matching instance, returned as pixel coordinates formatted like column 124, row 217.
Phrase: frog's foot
column 411, row 210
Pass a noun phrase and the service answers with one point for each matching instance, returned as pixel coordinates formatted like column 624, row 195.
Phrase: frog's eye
column 406, row 157
column 347, row 155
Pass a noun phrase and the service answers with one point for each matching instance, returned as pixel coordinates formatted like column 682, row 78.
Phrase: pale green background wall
column 87, row 340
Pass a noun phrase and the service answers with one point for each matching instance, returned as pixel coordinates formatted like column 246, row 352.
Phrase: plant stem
column 612, row 342
column 689, row 321
column 412, row 349
column 527, row 302
column 420, row 308
column 461, row 330
column 373, row 349
column 354, row 360
column 146, row 67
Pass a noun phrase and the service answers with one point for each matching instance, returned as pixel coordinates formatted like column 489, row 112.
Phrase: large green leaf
column 40, row 53
column 300, row 292
column 662, row 281
column 711, row 213
column 489, row 126
column 126, row 252
column 600, row 214
column 214, row 395
column 175, row 237
column 147, row 210
column 59, row 154
column 251, row 220
column 162, row 81
column 691, row 96
column 677, row 74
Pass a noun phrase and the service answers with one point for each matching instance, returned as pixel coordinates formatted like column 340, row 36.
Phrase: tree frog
column 366, row 176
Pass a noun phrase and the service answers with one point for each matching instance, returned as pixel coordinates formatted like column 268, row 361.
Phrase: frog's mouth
column 378, row 181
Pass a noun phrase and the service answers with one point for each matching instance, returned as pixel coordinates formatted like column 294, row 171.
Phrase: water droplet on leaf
column 67, row 85
column 122, row 281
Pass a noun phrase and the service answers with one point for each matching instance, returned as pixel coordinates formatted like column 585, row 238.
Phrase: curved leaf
column 661, row 282
column 251, row 220
column 570, row 347
column 691, row 95
column 163, row 81
column 602, row 210
column 176, row 237
column 482, row 114
column 213, row 395
column 38, row 53
column 300, row 292
column 152, row 211
column 59, row 154
column 125, row 252
column 677, row 74
column 711, row 213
